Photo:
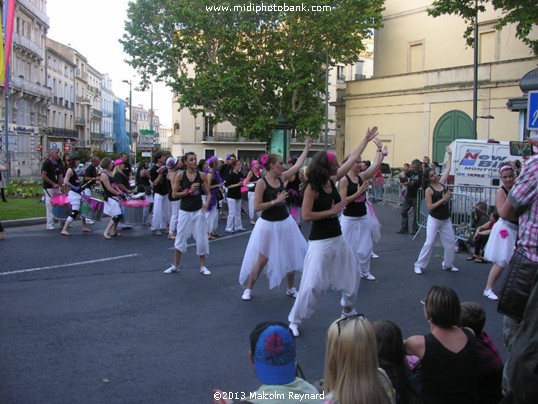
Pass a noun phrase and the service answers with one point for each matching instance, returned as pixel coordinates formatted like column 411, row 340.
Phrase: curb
column 24, row 222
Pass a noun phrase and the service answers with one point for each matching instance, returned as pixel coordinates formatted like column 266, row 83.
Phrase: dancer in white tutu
column 502, row 239
column 357, row 228
column 330, row 261
column 276, row 241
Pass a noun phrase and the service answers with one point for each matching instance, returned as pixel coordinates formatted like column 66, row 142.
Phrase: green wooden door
column 452, row 125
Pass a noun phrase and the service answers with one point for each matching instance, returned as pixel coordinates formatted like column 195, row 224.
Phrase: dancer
column 295, row 195
column 356, row 226
column 502, row 239
column 112, row 206
column 329, row 261
column 215, row 183
column 234, row 182
column 437, row 197
column 191, row 220
column 250, row 182
column 72, row 181
column 276, row 241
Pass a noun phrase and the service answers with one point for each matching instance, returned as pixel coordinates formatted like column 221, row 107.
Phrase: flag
column 2, row 52
column 9, row 17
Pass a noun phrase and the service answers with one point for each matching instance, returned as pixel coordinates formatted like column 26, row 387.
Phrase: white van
column 475, row 165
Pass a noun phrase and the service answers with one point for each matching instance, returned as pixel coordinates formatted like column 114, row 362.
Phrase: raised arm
column 371, row 133
column 300, row 161
column 379, row 156
column 446, row 172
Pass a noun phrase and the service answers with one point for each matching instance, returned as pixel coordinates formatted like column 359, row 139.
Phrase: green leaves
column 243, row 66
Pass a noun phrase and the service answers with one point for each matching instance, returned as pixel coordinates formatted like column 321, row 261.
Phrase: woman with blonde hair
column 352, row 373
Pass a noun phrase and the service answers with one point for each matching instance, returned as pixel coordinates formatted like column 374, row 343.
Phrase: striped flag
column 9, row 17
column 2, row 52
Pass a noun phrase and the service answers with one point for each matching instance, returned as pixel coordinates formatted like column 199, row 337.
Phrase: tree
column 522, row 13
column 247, row 67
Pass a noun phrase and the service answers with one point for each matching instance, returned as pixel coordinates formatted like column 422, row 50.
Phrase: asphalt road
column 89, row 320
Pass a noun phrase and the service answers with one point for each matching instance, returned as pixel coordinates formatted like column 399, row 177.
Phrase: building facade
column 421, row 94
column 97, row 137
column 29, row 96
column 107, row 109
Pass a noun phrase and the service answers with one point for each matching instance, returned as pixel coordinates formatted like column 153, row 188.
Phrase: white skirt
column 501, row 243
column 281, row 242
column 74, row 199
column 329, row 264
column 112, row 207
column 375, row 226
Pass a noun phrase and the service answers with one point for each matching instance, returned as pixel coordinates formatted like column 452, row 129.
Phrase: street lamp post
column 326, row 99
column 130, row 117
column 475, row 69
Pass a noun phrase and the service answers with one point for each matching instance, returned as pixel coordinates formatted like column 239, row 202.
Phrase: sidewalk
column 23, row 222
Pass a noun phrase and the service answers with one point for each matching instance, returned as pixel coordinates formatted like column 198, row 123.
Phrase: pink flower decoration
column 264, row 159
column 504, row 233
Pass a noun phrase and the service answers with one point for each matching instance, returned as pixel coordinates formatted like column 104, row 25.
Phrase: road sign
column 146, row 154
column 532, row 111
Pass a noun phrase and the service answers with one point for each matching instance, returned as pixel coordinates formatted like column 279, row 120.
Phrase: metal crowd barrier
column 393, row 193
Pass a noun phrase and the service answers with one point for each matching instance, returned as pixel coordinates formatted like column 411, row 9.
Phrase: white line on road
column 68, row 265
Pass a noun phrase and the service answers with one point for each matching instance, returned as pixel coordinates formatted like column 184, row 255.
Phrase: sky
column 93, row 28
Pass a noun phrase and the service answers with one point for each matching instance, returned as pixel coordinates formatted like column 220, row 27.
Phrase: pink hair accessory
column 505, row 167
column 331, row 157
column 264, row 159
column 253, row 163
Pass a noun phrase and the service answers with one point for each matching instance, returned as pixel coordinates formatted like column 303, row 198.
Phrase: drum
column 91, row 208
column 134, row 212
column 61, row 207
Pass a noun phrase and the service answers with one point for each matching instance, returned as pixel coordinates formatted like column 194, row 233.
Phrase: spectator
column 413, row 183
column 2, row 183
column 519, row 294
column 479, row 218
column 448, row 352
column 490, row 365
column 392, row 359
column 352, row 374
column 273, row 355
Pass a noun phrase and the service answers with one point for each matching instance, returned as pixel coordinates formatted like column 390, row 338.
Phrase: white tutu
column 74, row 199
column 357, row 232
column 329, row 263
column 281, row 242
column 375, row 226
column 501, row 243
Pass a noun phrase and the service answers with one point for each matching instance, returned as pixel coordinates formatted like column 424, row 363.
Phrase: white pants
column 234, row 214
column 251, row 212
column 48, row 193
column 192, row 224
column 174, row 212
column 445, row 230
column 161, row 212
column 357, row 232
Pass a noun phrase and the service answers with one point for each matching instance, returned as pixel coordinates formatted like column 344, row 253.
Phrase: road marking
column 69, row 265
column 225, row 237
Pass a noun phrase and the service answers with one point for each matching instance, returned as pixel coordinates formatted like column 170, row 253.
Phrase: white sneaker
column 171, row 270
column 368, row 277
column 205, row 271
column 89, row 221
column 374, row 255
column 418, row 271
column 294, row 327
column 451, row 269
column 246, row 295
column 291, row 292
column 490, row 294
column 228, row 231
column 50, row 227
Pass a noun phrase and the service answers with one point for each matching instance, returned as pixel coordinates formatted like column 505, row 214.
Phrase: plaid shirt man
column 524, row 198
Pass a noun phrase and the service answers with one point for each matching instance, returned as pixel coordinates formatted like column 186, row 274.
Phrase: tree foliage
column 522, row 13
column 249, row 68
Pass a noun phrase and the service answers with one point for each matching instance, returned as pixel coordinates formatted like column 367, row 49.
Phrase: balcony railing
column 96, row 113
column 28, row 45
column 97, row 137
column 81, row 75
column 35, row 10
column 35, row 89
column 83, row 100
column 64, row 133
column 80, row 121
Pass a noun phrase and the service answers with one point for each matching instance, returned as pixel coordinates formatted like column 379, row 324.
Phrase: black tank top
column 441, row 212
column 356, row 208
column 516, row 222
column 75, row 181
column 107, row 193
column 328, row 227
column 169, row 184
column 252, row 179
column 449, row 377
column 191, row 202
column 279, row 211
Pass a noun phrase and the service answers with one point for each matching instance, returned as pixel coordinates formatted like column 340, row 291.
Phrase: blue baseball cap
column 274, row 355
